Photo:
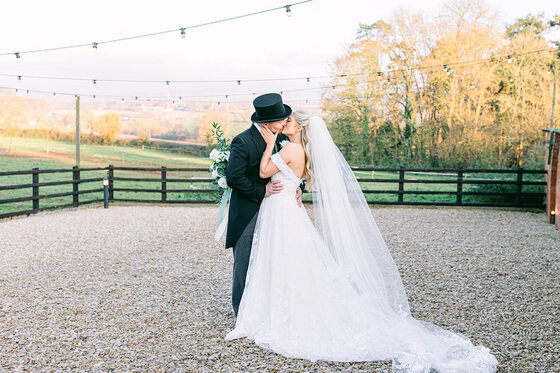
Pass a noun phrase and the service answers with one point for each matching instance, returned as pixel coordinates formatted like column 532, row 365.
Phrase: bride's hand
column 268, row 136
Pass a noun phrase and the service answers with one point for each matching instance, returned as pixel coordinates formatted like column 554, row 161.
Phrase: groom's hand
column 273, row 187
column 299, row 193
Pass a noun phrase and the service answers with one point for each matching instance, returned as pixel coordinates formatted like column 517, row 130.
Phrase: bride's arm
column 267, row 168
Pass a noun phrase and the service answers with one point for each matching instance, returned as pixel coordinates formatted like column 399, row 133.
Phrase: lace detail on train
column 299, row 302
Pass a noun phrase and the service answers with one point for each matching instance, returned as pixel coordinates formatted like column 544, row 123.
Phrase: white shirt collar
column 258, row 127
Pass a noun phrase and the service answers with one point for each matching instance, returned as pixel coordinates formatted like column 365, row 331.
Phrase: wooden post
column 75, row 183
column 552, row 166
column 459, row 200
column 163, row 184
column 401, row 184
column 110, row 177
column 519, row 186
column 78, row 131
column 35, row 188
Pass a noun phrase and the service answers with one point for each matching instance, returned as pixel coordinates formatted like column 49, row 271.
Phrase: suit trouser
column 241, row 255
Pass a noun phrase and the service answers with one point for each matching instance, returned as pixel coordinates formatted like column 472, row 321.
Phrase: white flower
column 214, row 173
column 214, row 155
column 223, row 156
column 284, row 143
column 222, row 182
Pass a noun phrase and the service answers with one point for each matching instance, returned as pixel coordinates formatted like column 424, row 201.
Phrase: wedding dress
column 333, row 292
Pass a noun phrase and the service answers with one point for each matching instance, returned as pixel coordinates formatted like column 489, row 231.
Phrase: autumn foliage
column 447, row 95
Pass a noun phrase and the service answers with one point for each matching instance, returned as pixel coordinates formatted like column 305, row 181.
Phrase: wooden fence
column 460, row 184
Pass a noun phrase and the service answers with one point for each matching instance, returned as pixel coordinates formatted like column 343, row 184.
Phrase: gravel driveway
column 136, row 288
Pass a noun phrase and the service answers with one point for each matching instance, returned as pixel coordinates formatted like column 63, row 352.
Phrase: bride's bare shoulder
column 293, row 147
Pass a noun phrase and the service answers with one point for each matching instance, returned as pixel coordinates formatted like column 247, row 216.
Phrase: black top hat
column 270, row 108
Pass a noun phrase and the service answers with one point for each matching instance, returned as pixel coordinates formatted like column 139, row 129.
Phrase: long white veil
column 344, row 220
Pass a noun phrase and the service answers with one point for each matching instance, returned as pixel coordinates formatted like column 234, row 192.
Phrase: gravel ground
column 145, row 288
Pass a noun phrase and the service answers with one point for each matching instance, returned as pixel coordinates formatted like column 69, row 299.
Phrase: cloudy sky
column 269, row 45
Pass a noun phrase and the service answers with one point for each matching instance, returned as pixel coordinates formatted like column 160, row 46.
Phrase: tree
column 205, row 125
column 468, row 106
column 108, row 126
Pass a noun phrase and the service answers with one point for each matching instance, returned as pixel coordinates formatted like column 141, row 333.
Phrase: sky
column 270, row 45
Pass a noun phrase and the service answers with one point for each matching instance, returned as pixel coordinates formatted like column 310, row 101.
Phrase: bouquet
column 220, row 156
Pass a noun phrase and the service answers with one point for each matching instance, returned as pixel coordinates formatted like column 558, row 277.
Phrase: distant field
column 27, row 153
column 93, row 155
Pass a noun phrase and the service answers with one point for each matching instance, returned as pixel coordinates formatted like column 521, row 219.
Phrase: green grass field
column 27, row 153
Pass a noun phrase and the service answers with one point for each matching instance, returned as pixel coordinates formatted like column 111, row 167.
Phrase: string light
column 19, row 77
column 307, row 80
column 509, row 58
column 288, row 11
column 17, row 55
column 94, row 81
column 167, row 98
column 95, row 44
column 183, row 34
column 445, row 66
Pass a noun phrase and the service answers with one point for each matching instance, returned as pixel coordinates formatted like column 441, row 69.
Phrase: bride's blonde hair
column 302, row 119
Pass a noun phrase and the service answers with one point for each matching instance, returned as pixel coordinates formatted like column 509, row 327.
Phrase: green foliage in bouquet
column 220, row 156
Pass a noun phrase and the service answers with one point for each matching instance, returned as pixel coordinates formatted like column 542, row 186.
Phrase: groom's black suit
column 248, row 191
column 242, row 173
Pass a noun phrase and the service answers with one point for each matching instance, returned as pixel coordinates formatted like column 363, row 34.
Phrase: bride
column 331, row 291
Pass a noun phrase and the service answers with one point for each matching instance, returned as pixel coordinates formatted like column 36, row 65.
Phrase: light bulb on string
column 509, row 58
column 167, row 82
column 239, row 82
column 307, row 80
column 94, row 45
column 288, row 11
column 17, row 55
column 183, row 34
column 28, row 91
column 19, row 77
column 94, row 81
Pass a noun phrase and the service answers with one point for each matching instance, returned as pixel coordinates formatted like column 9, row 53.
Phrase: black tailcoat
column 242, row 174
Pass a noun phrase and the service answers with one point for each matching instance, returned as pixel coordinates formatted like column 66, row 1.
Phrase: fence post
column 519, row 186
column 459, row 186
column 163, row 184
column 75, row 182
column 401, row 184
column 35, row 188
column 110, row 175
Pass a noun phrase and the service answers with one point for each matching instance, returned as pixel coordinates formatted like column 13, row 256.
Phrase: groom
column 248, row 189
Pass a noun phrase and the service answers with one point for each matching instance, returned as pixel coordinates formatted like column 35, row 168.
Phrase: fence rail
column 209, row 193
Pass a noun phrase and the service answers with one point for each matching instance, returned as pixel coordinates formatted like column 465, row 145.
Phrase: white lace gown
column 298, row 302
